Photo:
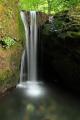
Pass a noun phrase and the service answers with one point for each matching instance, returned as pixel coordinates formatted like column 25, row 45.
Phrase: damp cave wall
column 60, row 49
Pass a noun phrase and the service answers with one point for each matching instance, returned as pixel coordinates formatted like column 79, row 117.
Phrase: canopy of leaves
column 47, row 6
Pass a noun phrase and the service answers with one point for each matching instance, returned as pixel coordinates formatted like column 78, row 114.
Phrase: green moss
column 11, row 41
column 73, row 34
column 9, row 74
column 9, row 13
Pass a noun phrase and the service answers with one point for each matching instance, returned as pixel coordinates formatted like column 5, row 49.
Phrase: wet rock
column 41, row 17
column 11, row 42
column 9, row 67
column 61, row 50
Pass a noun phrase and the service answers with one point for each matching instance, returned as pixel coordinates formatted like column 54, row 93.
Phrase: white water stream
column 31, row 46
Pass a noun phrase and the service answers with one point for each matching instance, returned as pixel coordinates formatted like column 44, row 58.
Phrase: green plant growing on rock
column 8, row 42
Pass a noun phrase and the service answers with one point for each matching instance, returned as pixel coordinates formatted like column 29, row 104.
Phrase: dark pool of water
column 54, row 104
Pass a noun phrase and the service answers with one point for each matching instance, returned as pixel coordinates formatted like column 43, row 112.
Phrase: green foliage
column 8, row 42
column 48, row 6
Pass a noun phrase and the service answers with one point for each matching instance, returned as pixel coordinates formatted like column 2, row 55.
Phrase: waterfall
column 31, row 46
column 31, row 87
column 22, row 67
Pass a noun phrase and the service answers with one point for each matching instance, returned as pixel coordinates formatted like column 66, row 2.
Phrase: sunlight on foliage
column 47, row 6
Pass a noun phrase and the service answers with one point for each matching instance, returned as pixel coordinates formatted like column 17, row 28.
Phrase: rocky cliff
column 61, row 48
column 10, row 44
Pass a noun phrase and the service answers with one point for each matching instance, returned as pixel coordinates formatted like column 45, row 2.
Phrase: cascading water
column 32, row 74
column 22, row 67
column 31, row 46
column 32, row 87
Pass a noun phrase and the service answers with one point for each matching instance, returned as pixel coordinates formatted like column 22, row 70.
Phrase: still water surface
column 54, row 104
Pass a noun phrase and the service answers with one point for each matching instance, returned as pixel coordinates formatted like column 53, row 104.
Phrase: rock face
column 9, row 67
column 60, row 46
column 41, row 17
column 9, row 19
column 10, row 44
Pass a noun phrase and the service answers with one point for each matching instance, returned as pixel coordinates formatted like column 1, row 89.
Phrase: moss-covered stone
column 9, row 15
column 61, row 48
column 11, row 42
column 9, row 66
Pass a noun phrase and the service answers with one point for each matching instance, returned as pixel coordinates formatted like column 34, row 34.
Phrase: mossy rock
column 74, row 14
column 11, row 43
column 10, row 66
column 9, row 19
column 61, row 49
column 68, row 20
column 72, row 34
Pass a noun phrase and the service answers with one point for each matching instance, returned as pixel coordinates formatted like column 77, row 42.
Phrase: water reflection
column 54, row 105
